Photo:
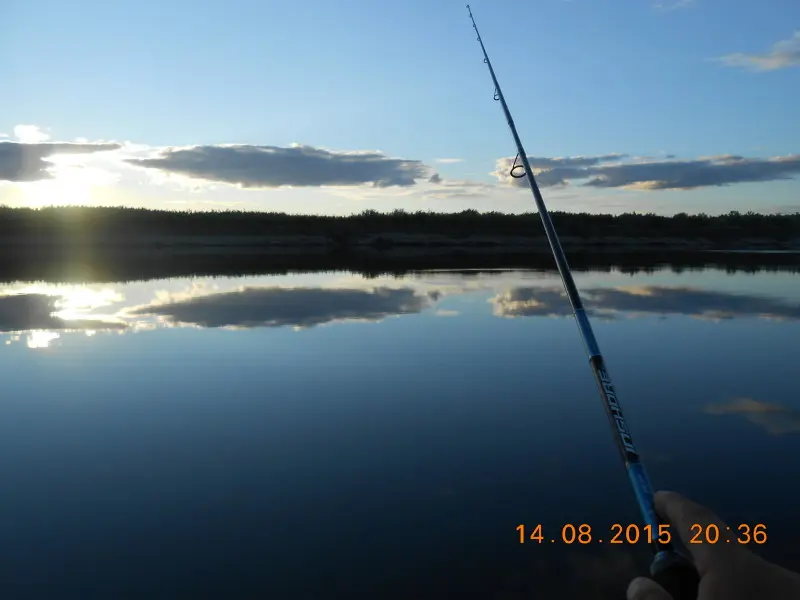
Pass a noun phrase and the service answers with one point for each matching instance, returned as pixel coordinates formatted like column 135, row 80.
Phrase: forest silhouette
column 77, row 223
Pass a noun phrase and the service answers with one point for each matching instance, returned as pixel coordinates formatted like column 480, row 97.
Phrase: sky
column 327, row 107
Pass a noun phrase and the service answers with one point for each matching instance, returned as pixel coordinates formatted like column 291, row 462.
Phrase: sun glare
column 49, row 193
column 41, row 339
column 74, row 301
column 73, row 183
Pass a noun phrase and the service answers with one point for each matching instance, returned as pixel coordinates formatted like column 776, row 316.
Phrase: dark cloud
column 25, row 312
column 551, row 171
column 27, row 162
column 785, row 53
column 538, row 162
column 272, row 166
column 776, row 419
column 661, row 174
column 299, row 307
column 696, row 173
column 530, row 301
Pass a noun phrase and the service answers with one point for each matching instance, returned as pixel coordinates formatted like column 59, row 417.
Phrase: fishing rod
column 674, row 572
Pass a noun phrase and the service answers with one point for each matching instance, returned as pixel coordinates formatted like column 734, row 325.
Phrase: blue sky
column 667, row 83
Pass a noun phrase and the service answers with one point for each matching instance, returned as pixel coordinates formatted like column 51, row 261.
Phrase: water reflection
column 41, row 339
column 298, row 307
column 581, row 574
column 375, row 457
column 312, row 300
column 656, row 300
column 775, row 418
column 27, row 312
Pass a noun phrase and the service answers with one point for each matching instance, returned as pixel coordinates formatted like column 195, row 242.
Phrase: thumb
column 643, row 588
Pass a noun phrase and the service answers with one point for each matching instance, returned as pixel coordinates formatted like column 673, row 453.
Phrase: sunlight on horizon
column 41, row 339
column 73, row 301
column 72, row 183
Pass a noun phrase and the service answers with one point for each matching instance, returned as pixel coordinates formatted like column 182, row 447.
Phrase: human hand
column 727, row 571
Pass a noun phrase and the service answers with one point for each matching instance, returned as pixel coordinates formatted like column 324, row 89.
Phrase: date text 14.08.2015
column 584, row 534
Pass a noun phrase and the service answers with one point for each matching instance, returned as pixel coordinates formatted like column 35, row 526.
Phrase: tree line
column 75, row 221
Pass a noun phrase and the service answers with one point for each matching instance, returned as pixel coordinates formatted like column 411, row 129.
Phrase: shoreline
column 110, row 263
column 125, row 231
column 388, row 243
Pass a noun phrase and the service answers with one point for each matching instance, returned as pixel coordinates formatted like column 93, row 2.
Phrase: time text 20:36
column 634, row 534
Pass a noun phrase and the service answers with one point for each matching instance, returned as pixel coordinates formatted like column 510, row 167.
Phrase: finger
column 690, row 521
column 643, row 588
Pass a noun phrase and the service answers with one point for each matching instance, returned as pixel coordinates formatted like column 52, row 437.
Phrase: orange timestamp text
column 584, row 534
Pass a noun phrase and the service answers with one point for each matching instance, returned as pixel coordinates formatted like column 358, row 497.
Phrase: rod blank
column 669, row 568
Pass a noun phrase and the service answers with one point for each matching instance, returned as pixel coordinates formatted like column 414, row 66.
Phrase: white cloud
column 30, row 134
column 447, row 161
column 784, row 54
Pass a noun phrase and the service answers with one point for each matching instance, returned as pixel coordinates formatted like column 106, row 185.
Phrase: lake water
column 328, row 435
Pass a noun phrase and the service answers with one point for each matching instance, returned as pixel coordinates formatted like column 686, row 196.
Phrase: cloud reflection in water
column 298, row 307
column 775, row 418
column 40, row 308
column 657, row 300
column 28, row 312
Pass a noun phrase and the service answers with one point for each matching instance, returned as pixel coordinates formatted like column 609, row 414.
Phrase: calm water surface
column 333, row 436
